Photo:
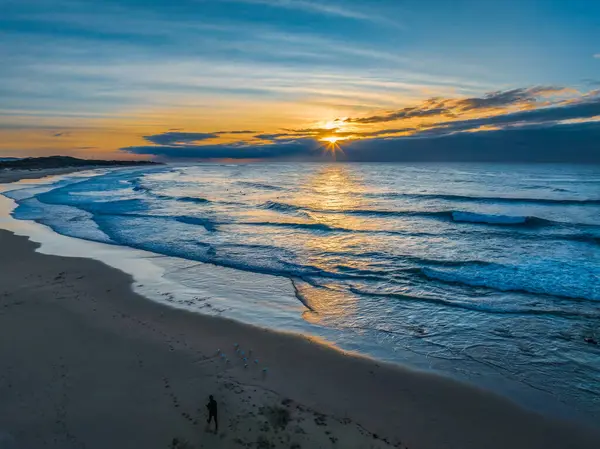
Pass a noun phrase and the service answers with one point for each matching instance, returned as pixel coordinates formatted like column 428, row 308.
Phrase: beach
column 86, row 362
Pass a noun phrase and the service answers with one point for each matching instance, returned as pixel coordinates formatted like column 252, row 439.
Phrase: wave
column 281, row 207
column 457, row 216
column 472, row 273
column 259, row 185
column 117, row 207
column 328, row 228
column 133, row 206
column 137, row 185
column 477, row 307
column 205, row 223
column 559, row 280
column 311, row 226
column 472, row 217
column 138, row 188
column 286, row 208
column 186, row 199
column 494, row 199
column 465, row 217
column 245, row 257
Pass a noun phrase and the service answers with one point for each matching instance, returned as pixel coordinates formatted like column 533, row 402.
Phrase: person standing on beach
column 212, row 412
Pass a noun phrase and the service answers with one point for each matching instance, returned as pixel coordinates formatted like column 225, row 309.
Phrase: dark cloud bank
column 541, row 134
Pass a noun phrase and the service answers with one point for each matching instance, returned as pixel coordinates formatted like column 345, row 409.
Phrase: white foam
column 251, row 297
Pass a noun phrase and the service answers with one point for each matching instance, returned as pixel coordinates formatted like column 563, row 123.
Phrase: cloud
column 320, row 133
column 597, row 56
column 573, row 143
column 293, row 134
column 405, row 113
column 304, row 148
column 508, row 98
column 176, row 136
column 274, row 136
column 382, row 132
column 565, row 132
column 454, row 107
column 179, row 138
column 307, row 130
column 448, row 112
column 318, row 7
column 586, row 108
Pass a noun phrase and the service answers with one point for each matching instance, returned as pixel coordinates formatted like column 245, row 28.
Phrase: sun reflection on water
column 333, row 188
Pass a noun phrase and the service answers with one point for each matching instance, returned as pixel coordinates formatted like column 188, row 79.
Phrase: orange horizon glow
column 331, row 140
column 105, row 135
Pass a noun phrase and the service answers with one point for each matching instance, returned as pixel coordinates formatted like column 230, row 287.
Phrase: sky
column 376, row 80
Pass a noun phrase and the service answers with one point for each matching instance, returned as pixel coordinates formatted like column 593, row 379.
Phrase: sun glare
column 332, row 146
column 332, row 124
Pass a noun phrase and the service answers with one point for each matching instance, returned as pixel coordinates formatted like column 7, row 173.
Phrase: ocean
column 486, row 273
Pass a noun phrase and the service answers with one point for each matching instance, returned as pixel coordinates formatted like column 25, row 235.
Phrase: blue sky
column 95, row 78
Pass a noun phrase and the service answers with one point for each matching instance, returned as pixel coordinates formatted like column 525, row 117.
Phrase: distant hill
column 36, row 163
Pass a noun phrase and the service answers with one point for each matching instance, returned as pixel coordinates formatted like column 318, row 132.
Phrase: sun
column 331, row 140
column 332, row 146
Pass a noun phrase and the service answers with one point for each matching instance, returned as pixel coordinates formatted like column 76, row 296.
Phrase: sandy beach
column 86, row 362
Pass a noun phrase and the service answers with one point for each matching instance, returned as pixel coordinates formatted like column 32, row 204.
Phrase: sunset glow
column 410, row 183
column 256, row 84
column 331, row 139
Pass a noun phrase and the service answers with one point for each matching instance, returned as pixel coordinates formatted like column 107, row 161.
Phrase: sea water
column 488, row 273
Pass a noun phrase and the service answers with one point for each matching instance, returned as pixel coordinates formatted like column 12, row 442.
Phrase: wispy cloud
column 242, row 131
column 543, row 134
column 179, row 138
column 235, row 73
column 328, row 8
column 520, row 97
column 597, row 56
column 572, row 142
column 297, row 149
column 203, row 55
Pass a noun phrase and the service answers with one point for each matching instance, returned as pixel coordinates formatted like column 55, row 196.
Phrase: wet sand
column 86, row 362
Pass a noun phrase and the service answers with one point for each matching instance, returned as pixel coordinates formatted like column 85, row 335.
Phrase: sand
column 85, row 362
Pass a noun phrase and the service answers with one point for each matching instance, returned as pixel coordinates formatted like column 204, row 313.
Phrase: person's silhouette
column 212, row 412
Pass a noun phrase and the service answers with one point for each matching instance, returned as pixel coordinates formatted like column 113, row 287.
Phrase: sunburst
column 331, row 145
column 331, row 140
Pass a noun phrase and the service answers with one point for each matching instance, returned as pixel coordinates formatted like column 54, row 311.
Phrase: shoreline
column 354, row 393
column 91, row 325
